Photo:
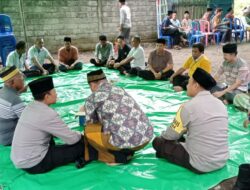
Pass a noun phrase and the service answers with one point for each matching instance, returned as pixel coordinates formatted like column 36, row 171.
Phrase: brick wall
column 83, row 20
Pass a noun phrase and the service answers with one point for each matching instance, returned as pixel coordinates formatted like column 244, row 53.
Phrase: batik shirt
column 120, row 116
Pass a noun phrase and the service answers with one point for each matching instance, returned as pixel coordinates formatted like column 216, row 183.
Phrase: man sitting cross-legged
column 204, row 118
column 196, row 60
column 160, row 63
column 68, row 57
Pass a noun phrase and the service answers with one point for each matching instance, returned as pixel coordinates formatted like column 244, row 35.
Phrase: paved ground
column 213, row 52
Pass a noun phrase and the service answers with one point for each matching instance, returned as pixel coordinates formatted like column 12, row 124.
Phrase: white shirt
column 40, row 54
column 14, row 59
column 139, row 58
column 125, row 16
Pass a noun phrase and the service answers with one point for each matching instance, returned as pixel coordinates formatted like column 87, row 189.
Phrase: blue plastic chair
column 238, row 29
column 7, row 38
column 195, row 32
column 5, row 24
column 169, row 39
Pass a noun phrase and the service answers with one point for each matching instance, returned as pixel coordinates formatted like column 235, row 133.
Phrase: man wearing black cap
column 204, row 118
column 11, row 106
column 116, row 126
column 104, row 52
column 160, row 63
column 236, row 72
column 33, row 147
column 68, row 57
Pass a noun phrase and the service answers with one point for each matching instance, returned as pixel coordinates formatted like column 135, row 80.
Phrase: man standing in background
column 125, row 20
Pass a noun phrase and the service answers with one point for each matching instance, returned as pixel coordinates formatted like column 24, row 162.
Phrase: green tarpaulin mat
column 145, row 171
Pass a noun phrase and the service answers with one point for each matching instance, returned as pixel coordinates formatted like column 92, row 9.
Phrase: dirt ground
column 213, row 52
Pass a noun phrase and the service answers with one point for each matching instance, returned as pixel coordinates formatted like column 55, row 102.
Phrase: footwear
column 243, row 180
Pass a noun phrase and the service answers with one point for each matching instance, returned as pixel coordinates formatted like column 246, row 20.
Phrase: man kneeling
column 116, row 126
column 204, row 119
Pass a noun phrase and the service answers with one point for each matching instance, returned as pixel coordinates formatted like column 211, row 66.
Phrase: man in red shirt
column 68, row 57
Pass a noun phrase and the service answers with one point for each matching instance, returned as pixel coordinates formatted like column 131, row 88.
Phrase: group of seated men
column 116, row 126
column 37, row 55
column 181, row 31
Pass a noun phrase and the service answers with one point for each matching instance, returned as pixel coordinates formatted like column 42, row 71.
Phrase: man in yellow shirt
column 197, row 59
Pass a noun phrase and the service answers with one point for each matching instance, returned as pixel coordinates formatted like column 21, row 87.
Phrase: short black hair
column 122, row 1
column 137, row 38
column 40, row 96
column 209, row 9
column 103, row 37
column 161, row 41
column 67, row 39
column 229, row 9
column 20, row 45
column 120, row 37
column 199, row 46
column 186, row 12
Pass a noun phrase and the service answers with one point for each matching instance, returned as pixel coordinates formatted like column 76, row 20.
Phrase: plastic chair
column 5, row 24
column 237, row 29
column 169, row 39
column 7, row 44
column 206, row 30
column 196, row 34
column 7, row 38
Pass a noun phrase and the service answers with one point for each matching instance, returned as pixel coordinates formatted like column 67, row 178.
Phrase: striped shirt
column 11, row 107
column 235, row 71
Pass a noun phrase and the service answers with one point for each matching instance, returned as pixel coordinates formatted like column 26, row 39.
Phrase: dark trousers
column 58, row 155
column 175, row 33
column 78, row 66
column 174, row 152
column 134, row 71
column 32, row 73
column 47, row 66
column 123, row 68
column 181, row 80
column 125, row 32
column 100, row 64
column 148, row 75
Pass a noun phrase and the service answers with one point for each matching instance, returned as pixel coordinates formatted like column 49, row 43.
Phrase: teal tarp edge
column 145, row 171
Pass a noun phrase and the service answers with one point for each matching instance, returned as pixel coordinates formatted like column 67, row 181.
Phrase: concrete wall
column 83, row 20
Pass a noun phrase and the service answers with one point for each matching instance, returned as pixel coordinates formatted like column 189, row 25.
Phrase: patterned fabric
column 236, row 71
column 120, row 116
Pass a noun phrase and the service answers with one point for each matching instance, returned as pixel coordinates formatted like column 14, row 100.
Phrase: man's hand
column 111, row 62
column 157, row 76
column 171, row 79
column 246, row 123
column 218, row 94
column 45, row 72
column 117, row 65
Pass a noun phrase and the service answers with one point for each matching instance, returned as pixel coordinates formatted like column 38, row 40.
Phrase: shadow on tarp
column 145, row 171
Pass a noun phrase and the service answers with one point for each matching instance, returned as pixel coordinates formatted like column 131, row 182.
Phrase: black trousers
column 175, row 33
column 32, row 73
column 123, row 68
column 47, row 66
column 174, row 152
column 58, row 155
column 181, row 80
column 148, row 75
column 100, row 64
